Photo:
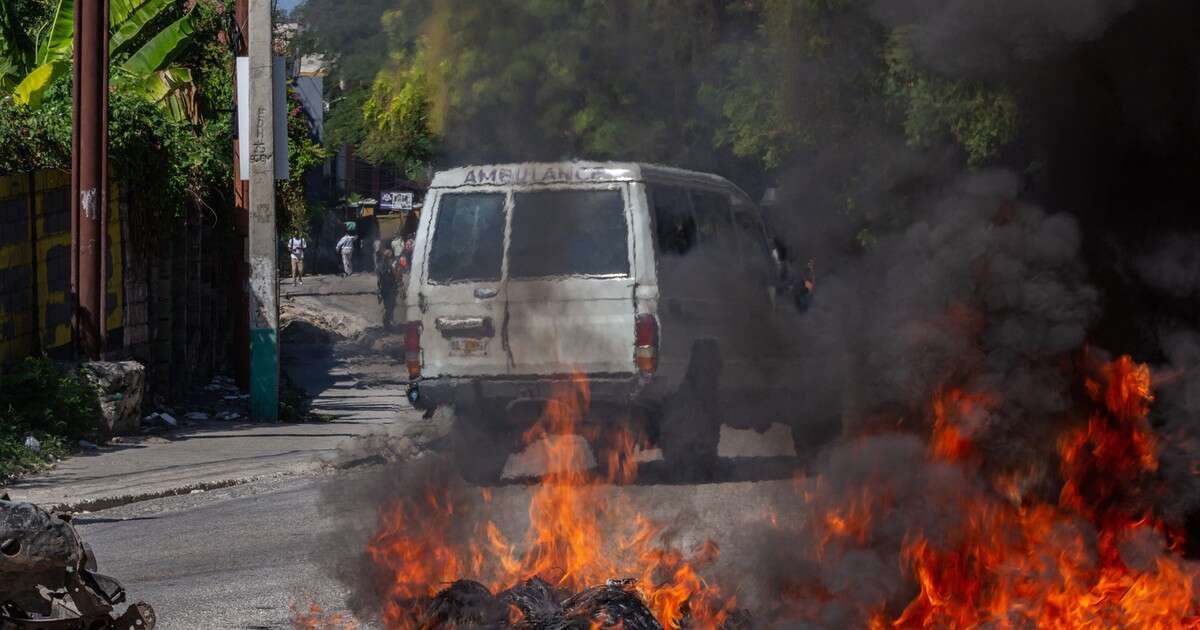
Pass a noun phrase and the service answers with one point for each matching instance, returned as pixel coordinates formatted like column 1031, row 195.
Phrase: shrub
column 54, row 406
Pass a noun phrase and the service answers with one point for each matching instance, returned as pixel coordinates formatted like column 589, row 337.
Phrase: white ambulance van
column 657, row 285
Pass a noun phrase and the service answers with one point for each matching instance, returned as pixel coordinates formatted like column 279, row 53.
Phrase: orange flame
column 1057, row 565
column 317, row 619
column 950, row 408
column 572, row 514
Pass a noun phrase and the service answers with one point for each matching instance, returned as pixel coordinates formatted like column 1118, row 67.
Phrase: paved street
column 243, row 557
column 235, row 525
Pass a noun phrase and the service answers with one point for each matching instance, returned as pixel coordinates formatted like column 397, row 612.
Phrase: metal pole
column 91, row 136
column 105, row 240
column 240, row 278
column 264, row 286
column 73, row 298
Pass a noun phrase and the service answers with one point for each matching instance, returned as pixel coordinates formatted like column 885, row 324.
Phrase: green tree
column 980, row 118
column 542, row 79
column 356, row 45
column 748, row 88
column 304, row 154
column 396, row 120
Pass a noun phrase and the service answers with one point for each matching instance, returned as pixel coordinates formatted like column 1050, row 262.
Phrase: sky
column 288, row 5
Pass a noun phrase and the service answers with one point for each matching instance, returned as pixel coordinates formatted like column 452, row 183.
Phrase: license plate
column 467, row 347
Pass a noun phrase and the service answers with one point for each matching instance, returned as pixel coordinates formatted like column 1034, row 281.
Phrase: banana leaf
column 157, row 53
column 135, row 22
column 55, row 45
column 29, row 91
column 119, row 10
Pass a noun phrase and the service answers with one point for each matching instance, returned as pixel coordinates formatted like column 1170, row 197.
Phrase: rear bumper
column 510, row 393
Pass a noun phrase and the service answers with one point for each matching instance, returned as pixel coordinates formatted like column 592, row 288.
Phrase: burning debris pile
column 588, row 558
column 537, row 605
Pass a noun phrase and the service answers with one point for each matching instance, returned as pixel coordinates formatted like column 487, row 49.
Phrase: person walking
column 404, row 264
column 297, row 245
column 345, row 247
column 385, row 273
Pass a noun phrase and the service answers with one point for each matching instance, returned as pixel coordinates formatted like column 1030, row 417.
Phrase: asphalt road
column 247, row 556
column 235, row 558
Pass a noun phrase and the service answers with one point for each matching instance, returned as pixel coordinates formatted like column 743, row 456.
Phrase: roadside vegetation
column 42, row 401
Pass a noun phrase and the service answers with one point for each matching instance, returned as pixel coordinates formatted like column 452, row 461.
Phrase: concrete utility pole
column 89, row 173
column 240, row 280
column 264, row 286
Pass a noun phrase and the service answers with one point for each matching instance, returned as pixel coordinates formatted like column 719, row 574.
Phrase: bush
column 55, row 407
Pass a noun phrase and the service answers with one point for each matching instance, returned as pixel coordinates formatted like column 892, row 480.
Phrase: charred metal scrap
column 536, row 605
column 48, row 579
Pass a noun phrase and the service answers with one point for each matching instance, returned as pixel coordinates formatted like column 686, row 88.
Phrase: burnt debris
column 536, row 605
column 48, row 579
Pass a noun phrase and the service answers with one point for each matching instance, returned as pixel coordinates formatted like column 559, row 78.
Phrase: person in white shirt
column 345, row 247
column 296, row 246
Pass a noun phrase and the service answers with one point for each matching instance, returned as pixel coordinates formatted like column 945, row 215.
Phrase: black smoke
column 1082, row 244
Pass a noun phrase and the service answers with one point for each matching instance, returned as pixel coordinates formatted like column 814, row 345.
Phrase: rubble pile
column 48, row 578
column 119, row 388
column 536, row 605
column 309, row 320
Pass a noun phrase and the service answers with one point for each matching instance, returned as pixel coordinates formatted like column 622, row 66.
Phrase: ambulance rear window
column 568, row 233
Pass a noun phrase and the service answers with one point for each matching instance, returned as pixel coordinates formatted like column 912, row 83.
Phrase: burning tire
column 480, row 448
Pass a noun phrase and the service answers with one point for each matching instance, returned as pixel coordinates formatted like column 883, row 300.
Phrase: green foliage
column 304, row 154
column 35, row 139
column 356, row 44
column 54, row 41
column 757, row 123
column 168, row 158
column 55, row 407
column 354, row 38
column 175, row 159
column 733, row 85
column 397, row 120
column 344, row 122
column 516, row 79
column 980, row 118
column 129, row 19
column 19, row 22
column 146, row 38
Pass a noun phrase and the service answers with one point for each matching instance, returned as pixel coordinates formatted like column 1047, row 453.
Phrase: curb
column 106, row 503
column 316, row 469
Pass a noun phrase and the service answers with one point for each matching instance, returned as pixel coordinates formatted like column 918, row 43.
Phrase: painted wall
column 35, row 265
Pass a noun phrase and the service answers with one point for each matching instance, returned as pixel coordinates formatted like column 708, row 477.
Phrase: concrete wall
column 35, row 266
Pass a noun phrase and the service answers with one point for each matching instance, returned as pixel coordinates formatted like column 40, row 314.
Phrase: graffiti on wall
column 35, row 265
